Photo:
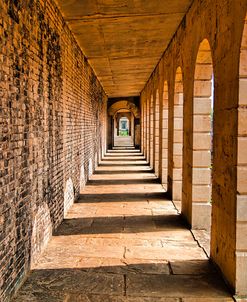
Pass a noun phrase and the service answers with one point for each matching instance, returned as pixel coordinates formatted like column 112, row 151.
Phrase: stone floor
column 123, row 241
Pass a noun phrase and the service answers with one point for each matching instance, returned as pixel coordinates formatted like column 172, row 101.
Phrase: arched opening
column 241, row 244
column 124, row 120
column 156, row 134
column 164, row 137
column 178, row 139
column 123, row 128
column 202, row 138
column 124, row 125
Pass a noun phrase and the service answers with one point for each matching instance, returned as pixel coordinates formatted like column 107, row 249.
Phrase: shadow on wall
column 95, row 160
column 90, row 167
column 42, row 226
column 69, row 195
column 82, row 178
column 41, row 233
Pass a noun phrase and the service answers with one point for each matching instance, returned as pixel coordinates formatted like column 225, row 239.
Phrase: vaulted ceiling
column 123, row 39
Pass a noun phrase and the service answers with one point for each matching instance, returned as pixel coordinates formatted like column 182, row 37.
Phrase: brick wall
column 52, row 127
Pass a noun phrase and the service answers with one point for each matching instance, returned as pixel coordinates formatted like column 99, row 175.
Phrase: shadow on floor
column 119, row 224
column 125, row 155
column 125, row 171
column 123, row 159
column 100, row 182
column 136, row 164
column 120, row 197
column 123, row 150
column 129, row 282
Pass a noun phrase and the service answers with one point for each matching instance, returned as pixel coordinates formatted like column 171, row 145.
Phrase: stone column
column 151, row 134
column 156, row 134
column 178, row 140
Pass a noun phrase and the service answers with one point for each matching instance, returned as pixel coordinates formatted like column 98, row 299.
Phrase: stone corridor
column 123, row 240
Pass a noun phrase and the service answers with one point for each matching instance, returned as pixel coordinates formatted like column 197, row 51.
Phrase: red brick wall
column 51, row 130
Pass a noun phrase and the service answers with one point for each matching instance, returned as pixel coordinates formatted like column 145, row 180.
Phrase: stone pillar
column 142, row 124
column 170, row 141
column 241, row 196
column 151, row 134
column 156, row 134
column 132, row 126
column 148, row 130
column 178, row 140
column 144, row 143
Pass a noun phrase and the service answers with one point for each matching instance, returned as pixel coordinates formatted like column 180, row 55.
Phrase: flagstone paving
column 123, row 241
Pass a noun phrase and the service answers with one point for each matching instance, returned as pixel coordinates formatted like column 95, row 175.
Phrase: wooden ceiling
column 123, row 39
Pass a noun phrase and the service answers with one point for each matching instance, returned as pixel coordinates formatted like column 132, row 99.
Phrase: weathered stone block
column 241, row 273
column 201, row 141
column 201, row 176
column 242, row 118
column 241, row 239
column 201, row 158
column 201, row 193
column 202, row 123
column 243, row 91
column 242, row 147
column 178, row 111
column 177, row 174
column 178, row 136
column 202, row 106
column 177, row 190
column 202, row 89
column 241, row 207
column 177, row 161
column 177, row 148
column 178, row 123
column 242, row 180
column 201, row 216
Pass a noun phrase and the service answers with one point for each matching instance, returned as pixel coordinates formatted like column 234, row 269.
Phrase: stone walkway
column 123, row 241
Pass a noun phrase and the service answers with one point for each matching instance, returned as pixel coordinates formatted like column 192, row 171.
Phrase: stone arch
column 241, row 192
column 178, row 139
column 124, row 105
column 133, row 139
column 124, row 115
column 202, row 138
